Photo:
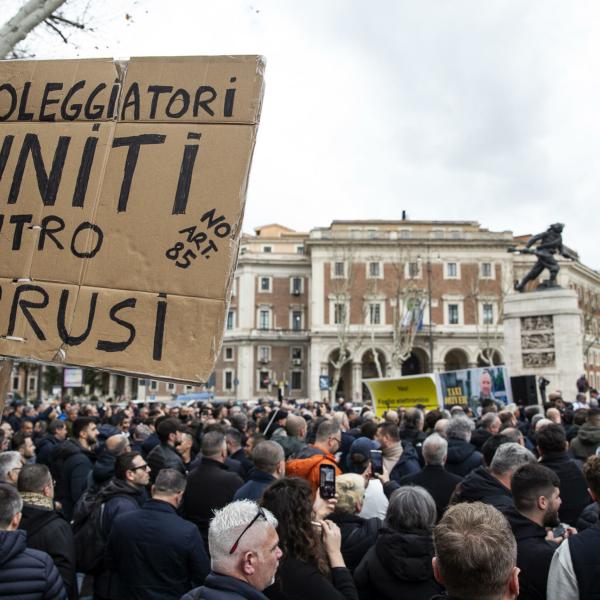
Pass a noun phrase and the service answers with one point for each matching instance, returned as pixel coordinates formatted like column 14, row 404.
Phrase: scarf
column 37, row 500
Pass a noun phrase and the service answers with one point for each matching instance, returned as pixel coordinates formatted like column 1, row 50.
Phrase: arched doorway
column 344, row 388
column 496, row 358
column 416, row 363
column 455, row 360
column 369, row 370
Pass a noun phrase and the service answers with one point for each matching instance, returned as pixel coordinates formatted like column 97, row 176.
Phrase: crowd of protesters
column 222, row 502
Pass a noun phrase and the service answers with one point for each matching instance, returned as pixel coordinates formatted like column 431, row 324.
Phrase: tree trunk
column 27, row 18
column 6, row 368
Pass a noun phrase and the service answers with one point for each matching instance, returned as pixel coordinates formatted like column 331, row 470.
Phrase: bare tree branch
column 56, row 30
column 67, row 21
column 29, row 16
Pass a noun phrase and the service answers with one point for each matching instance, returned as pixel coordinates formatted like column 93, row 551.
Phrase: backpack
column 90, row 542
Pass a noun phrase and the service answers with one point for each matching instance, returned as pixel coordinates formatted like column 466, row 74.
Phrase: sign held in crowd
column 122, row 190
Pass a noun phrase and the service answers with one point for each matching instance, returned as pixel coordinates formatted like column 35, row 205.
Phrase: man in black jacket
column 552, row 447
column 463, row 457
column 155, row 554
column 24, row 572
column 211, row 486
column 493, row 486
column 434, row 477
column 233, row 438
column 46, row 529
column 72, row 464
column 536, row 496
column 46, row 446
column 164, row 456
column 245, row 552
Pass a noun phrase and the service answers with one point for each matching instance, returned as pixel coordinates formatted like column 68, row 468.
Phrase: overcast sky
column 486, row 111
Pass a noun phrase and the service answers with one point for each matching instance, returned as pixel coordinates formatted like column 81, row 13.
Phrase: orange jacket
column 306, row 465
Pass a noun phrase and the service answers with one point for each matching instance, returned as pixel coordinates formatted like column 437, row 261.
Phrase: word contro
column 48, row 183
column 29, row 298
column 81, row 99
column 203, row 246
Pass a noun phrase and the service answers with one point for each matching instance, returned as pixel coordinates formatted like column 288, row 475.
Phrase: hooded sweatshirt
column 586, row 442
column 482, row 486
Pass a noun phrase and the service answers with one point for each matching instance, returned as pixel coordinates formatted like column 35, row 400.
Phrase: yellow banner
column 404, row 392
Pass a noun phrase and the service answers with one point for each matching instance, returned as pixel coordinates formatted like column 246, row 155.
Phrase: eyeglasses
column 260, row 513
column 144, row 466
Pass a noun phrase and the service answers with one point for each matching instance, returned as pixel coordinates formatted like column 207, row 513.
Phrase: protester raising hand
column 323, row 508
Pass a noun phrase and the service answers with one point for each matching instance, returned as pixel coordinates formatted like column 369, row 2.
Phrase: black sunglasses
column 260, row 513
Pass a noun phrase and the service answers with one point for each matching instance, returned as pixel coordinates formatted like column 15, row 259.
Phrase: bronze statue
column 548, row 243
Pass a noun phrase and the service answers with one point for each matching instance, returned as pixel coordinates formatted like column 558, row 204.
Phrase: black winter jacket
column 299, row 580
column 588, row 517
column 482, row 486
column 164, row 456
column 463, row 457
column 49, row 532
column 407, row 464
column 573, row 488
column 71, row 466
column 44, row 449
column 27, row 574
column 398, row 566
column 534, row 555
column 358, row 535
column 222, row 587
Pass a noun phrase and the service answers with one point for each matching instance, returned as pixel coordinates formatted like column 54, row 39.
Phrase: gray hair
column 411, row 509
column 509, row 457
column 267, row 455
column 513, row 434
column 212, row 443
column 142, row 432
column 435, row 449
column 350, row 489
column 327, row 429
column 487, row 419
column 168, row 483
column 34, row 478
column 10, row 504
column 226, row 527
column 9, row 461
column 460, row 427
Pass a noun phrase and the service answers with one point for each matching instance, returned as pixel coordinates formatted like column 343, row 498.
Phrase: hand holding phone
column 376, row 462
column 327, row 481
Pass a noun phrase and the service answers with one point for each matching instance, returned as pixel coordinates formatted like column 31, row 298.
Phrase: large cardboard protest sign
column 122, row 190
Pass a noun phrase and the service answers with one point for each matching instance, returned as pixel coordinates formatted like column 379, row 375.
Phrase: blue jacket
column 255, row 486
column 155, row 554
column 407, row 464
column 223, row 587
column 27, row 574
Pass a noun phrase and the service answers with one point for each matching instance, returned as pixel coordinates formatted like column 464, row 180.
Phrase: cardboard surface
column 122, row 190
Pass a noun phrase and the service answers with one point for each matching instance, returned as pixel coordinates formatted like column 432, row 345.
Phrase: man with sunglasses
column 245, row 553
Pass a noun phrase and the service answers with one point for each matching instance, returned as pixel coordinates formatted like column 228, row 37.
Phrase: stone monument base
column 543, row 337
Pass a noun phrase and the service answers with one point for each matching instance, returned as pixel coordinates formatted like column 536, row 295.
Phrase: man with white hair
column 245, row 553
column 10, row 466
column 434, row 477
column 463, row 457
column 493, row 486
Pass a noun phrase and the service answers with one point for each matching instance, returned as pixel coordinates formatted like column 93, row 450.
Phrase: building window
column 153, row 385
column 265, row 284
column 230, row 319
column 339, row 313
column 170, row 387
column 453, row 314
column 486, row 270
column 229, row 353
column 296, row 285
column 451, row 270
column 32, row 382
column 264, row 354
column 264, row 380
column 296, row 320
column 374, row 270
column 228, row 380
column 405, row 234
column 16, row 383
column 296, row 355
column 296, row 382
column 299, row 249
column 339, row 269
column 264, row 319
column 413, row 270
column 488, row 314
column 267, row 249
column 374, row 313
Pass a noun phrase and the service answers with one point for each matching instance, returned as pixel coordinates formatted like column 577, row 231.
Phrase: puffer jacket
column 482, row 486
column 586, row 442
column 222, row 587
column 398, row 566
column 306, row 465
column 358, row 535
column 27, row 574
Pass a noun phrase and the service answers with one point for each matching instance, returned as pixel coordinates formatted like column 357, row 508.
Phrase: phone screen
column 327, row 481
column 377, row 461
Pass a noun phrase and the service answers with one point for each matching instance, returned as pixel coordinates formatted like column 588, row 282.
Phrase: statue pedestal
column 543, row 337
